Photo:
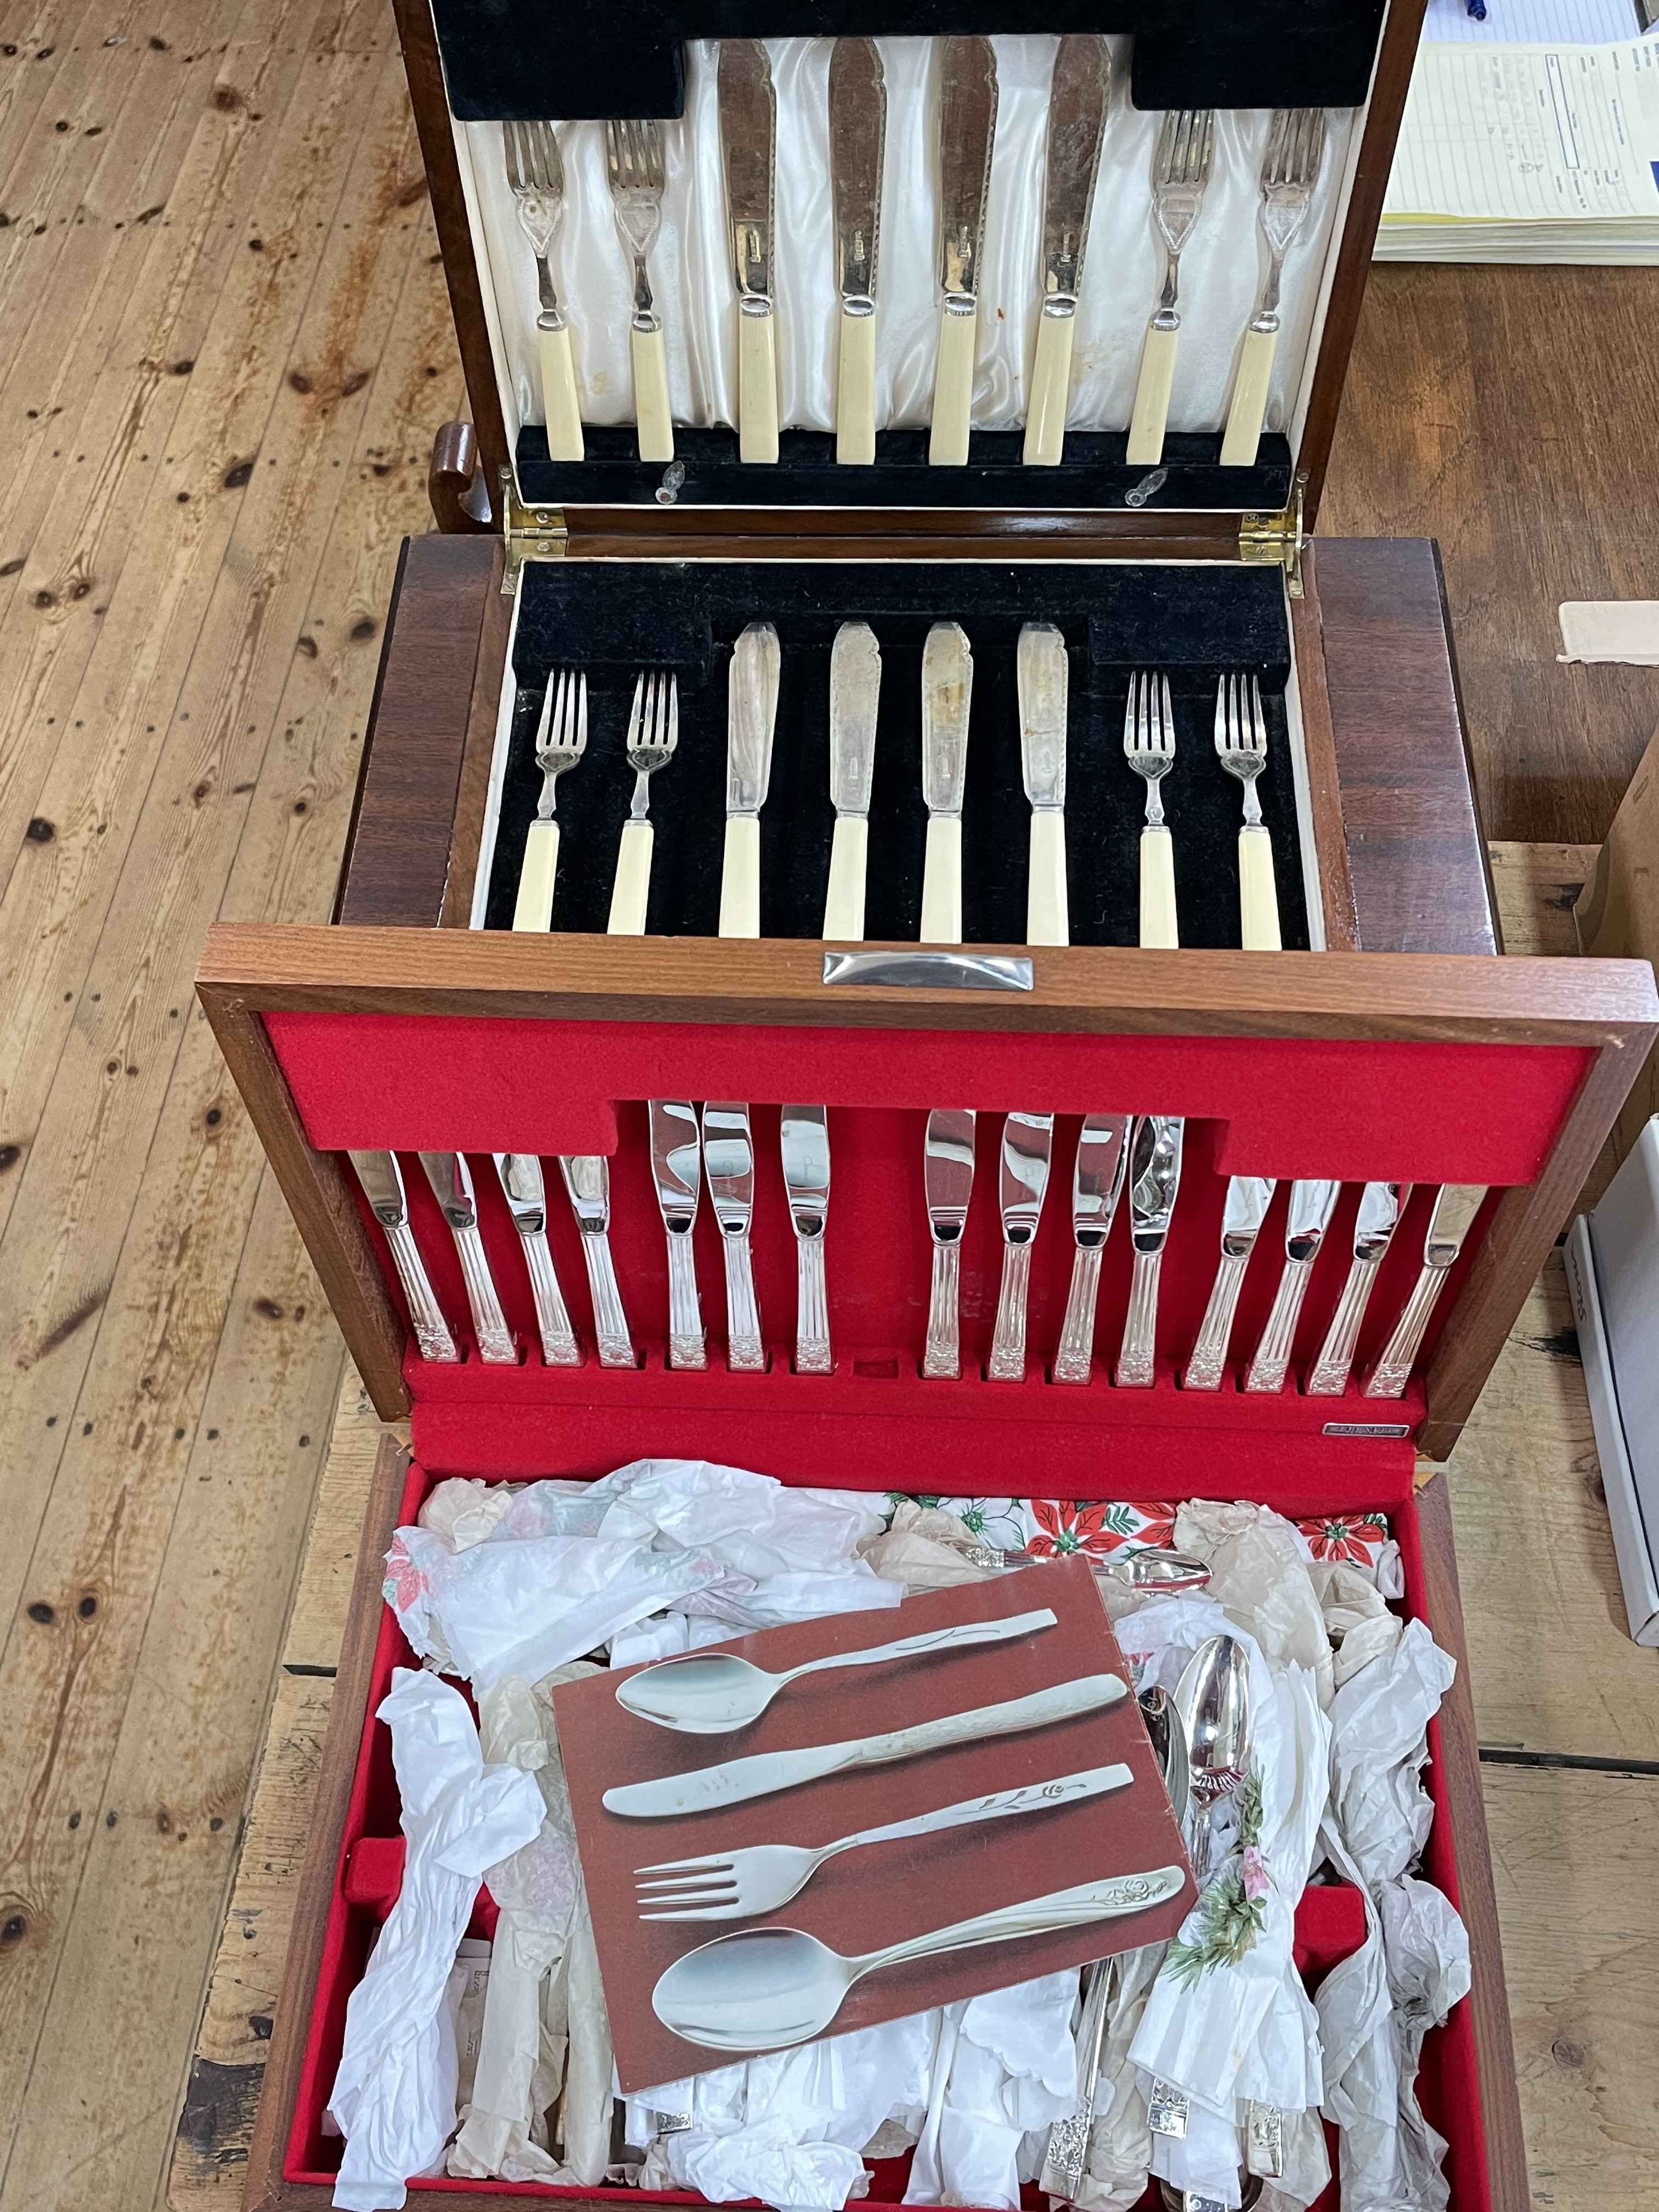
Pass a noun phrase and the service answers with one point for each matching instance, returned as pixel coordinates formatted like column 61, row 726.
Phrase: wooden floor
column 224, row 347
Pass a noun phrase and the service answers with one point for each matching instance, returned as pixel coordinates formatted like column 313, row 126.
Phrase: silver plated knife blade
column 854, row 697
column 382, row 1180
column 1380, row 1206
column 1043, row 681
column 948, row 1181
column 803, row 1137
column 1248, row 1200
column 451, row 1186
column 967, row 131
column 1455, row 1210
column 728, row 1159
column 520, row 1174
column 587, row 1178
column 1312, row 1203
column 1097, row 1177
column 1078, row 100
column 947, row 696
column 749, row 115
column 1027, row 1144
column 858, row 133
column 1154, row 1181
column 677, row 1170
column 751, row 717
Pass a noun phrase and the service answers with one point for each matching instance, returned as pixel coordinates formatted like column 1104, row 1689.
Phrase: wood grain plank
column 316, row 1624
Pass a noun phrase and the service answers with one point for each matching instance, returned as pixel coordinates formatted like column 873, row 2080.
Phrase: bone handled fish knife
column 1078, row 97
column 749, row 125
column 587, row 1184
column 1455, row 1210
column 728, row 1159
column 677, row 1170
column 854, row 696
column 947, row 694
column 1154, row 1180
column 1043, row 681
column 967, row 131
column 1248, row 1200
column 858, row 133
column 751, row 717
column 382, row 1180
column 1027, row 1143
column 1380, row 1205
column 1103, row 1160
column 948, row 1177
column 451, row 1186
column 525, row 1193
column 806, row 1146
column 1311, row 1206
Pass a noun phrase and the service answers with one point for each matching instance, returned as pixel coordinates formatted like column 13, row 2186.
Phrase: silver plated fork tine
column 1258, row 718
column 635, row 718
column 673, row 713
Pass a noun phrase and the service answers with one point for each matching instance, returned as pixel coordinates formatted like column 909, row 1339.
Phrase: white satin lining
column 1221, row 270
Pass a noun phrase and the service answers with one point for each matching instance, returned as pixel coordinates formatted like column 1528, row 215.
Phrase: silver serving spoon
column 706, row 1692
column 1213, row 1700
column 1169, row 1735
column 762, row 1989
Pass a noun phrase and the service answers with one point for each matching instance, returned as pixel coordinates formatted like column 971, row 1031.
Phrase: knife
column 805, row 1138
column 749, row 130
column 451, row 1186
column 525, row 1195
column 1311, row 1206
column 1455, row 1210
column 1248, row 1198
column 1043, row 673
column 1027, row 1143
column 966, row 130
column 382, row 1180
column 854, row 695
column 1380, row 1205
column 1078, row 97
column 947, row 693
column 764, row 1773
column 1154, row 1179
column 948, row 1179
column 587, row 1184
column 728, row 1160
column 858, row 133
column 677, row 1170
column 751, row 715
column 1103, row 1160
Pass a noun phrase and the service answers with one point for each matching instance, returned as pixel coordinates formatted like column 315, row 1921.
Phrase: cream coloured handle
column 1250, row 407
column 1258, row 899
column 1051, row 387
column 757, row 386
column 534, row 906
column 843, row 905
column 630, row 892
column 855, row 391
column 1047, row 921
column 1157, row 898
column 941, row 881
column 1151, row 408
column 1090, row 1693
column 740, row 878
column 953, row 388
column 651, row 411
column 559, row 402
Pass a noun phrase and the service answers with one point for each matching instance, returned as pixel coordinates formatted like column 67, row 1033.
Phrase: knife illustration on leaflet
column 1455, row 1210
column 451, row 1186
column 1154, row 1180
column 748, row 124
column 763, row 1774
column 1078, row 99
column 1248, row 1198
column 382, row 1180
column 1311, row 1206
column 1379, row 1207
column 1027, row 1142
column 858, row 135
column 1103, row 1160
column 966, row 130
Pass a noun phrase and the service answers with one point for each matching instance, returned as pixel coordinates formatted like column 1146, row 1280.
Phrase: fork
column 1241, row 746
column 653, row 730
column 560, row 740
column 759, row 1877
column 634, row 162
column 1181, row 170
column 535, row 175
column 1149, row 748
column 1296, row 146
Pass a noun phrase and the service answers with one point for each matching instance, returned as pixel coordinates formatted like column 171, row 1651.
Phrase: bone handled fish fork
column 535, row 174
column 1296, row 146
column 1241, row 746
column 654, row 732
column 634, row 164
column 757, row 1878
column 1149, row 748
column 561, row 741
column 1181, row 171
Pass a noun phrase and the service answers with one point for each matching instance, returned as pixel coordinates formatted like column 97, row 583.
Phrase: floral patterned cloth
column 1052, row 1528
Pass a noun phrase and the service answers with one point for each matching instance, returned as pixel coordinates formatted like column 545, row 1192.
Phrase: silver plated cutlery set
column 1079, row 108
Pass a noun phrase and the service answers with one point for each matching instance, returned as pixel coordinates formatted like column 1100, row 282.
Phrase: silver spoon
column 706, row 1692
column 762, row 1989
column 1213, row 1700
column 1169, row 1735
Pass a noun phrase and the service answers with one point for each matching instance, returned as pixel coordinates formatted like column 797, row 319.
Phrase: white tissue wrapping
column 1012, row 2074
column 1221, row 269
column 394, row 2094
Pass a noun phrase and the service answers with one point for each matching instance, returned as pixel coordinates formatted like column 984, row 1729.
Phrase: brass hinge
column 1277, row 539
column 532, row 533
